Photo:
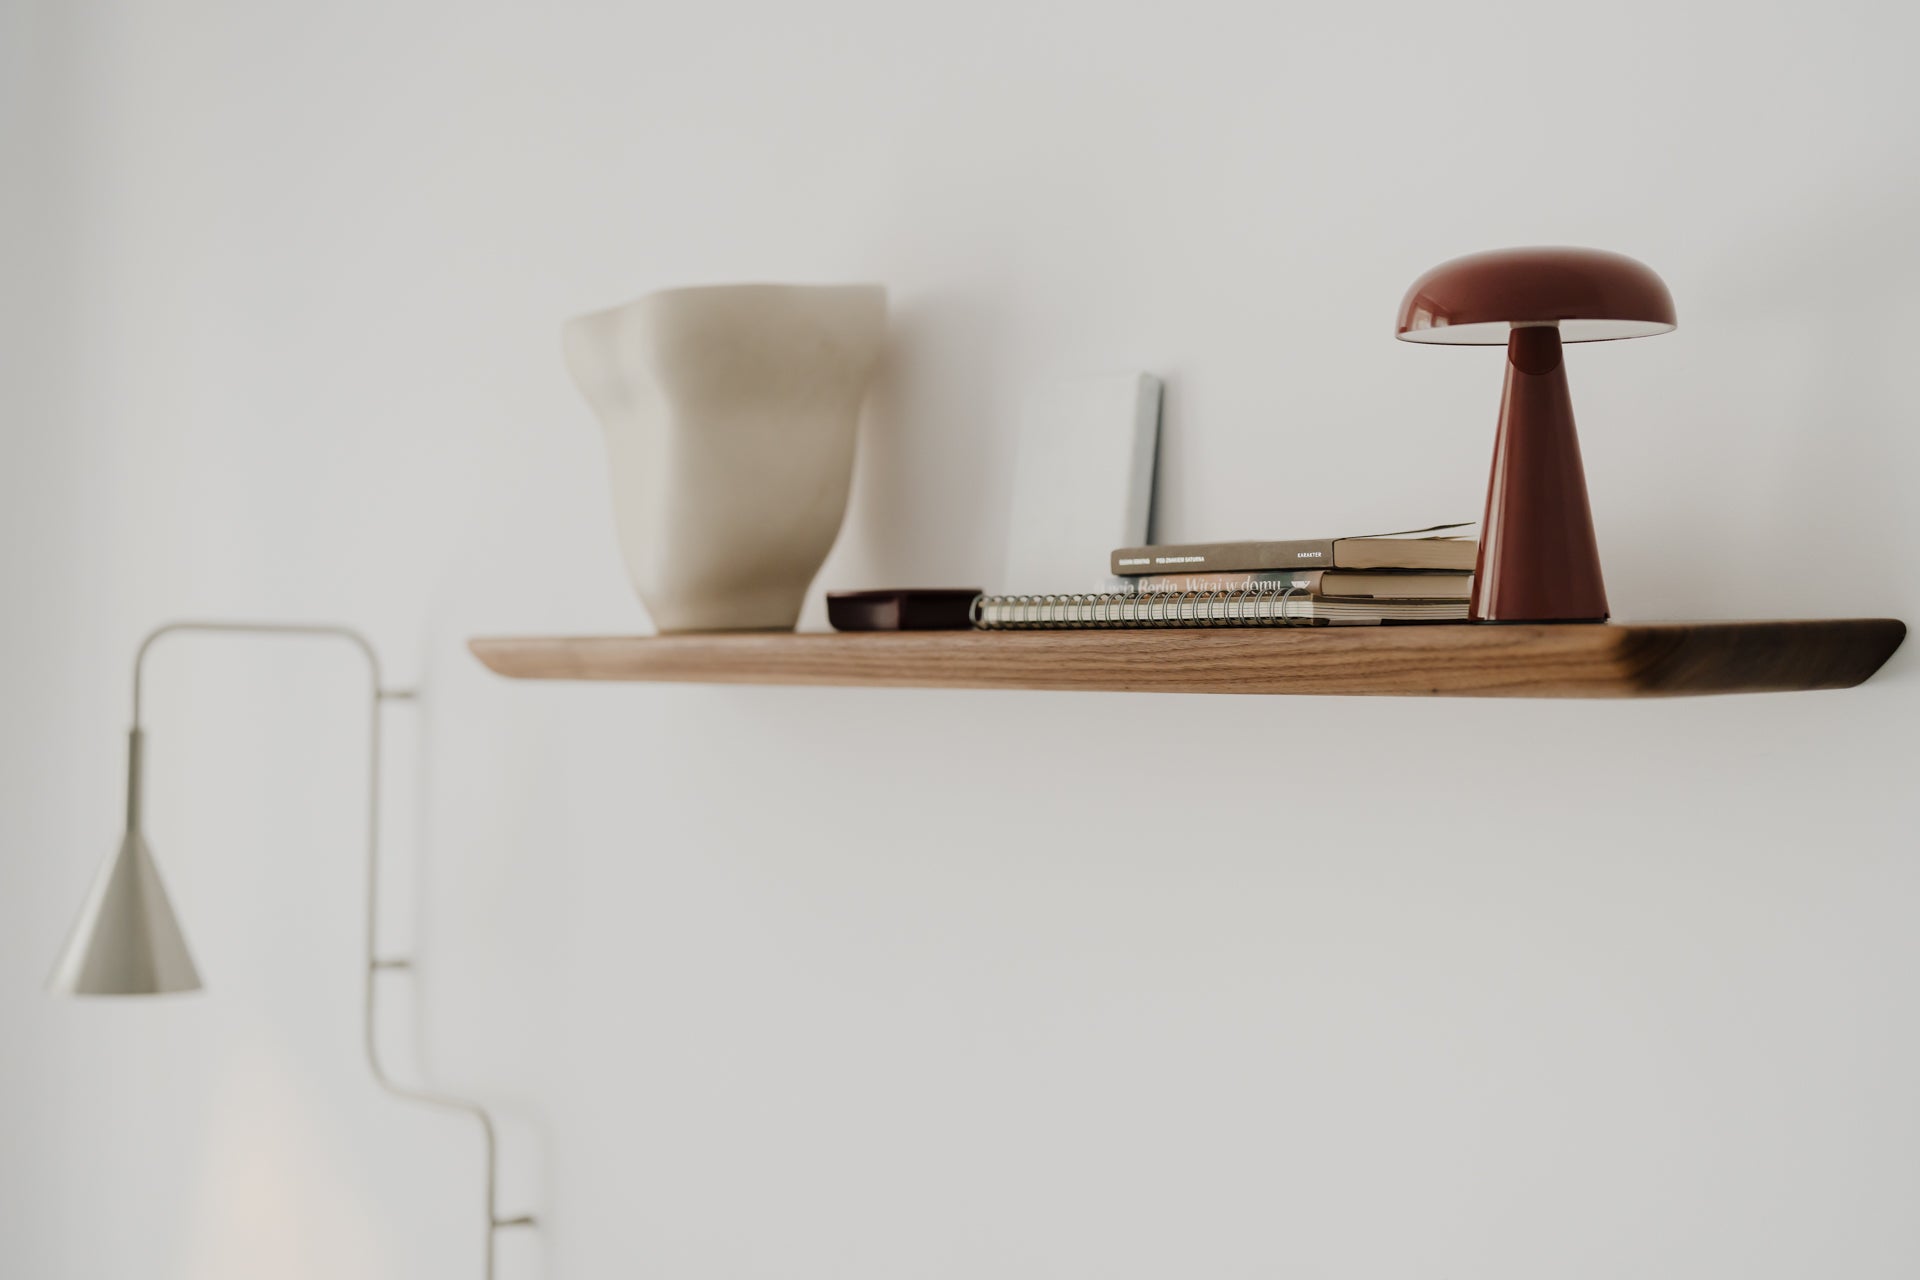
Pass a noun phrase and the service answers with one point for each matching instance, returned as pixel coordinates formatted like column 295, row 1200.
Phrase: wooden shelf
column 1519, row 660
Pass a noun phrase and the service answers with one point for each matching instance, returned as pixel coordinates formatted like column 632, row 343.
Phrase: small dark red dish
column 909, row 609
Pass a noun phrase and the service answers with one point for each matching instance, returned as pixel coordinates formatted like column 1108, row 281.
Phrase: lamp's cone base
column 1538, row 559
column 126, row 942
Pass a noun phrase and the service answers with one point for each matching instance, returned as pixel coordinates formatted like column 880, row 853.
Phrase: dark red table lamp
column 1538, row 561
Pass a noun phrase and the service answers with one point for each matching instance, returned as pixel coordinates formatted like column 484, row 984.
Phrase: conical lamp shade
column 127, row 942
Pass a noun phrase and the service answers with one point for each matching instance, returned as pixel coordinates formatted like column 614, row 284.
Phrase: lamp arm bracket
column 375, row 964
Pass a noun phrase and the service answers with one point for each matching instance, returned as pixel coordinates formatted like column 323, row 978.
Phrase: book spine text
column 1224, row 557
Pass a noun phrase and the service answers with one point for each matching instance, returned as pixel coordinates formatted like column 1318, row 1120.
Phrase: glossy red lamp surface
column 1538, row 559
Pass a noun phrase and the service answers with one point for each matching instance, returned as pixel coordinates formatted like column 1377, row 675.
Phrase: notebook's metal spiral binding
column 1249, row 606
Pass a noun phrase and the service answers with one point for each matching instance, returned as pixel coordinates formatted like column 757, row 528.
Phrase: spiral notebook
column 1261, row 605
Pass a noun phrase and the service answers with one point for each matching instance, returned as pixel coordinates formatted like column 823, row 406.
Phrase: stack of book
column 1425, row 575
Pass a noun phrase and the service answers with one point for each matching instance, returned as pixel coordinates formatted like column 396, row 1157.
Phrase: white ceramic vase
column 731, row 414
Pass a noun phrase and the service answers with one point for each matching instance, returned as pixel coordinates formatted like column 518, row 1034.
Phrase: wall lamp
column 128, row 942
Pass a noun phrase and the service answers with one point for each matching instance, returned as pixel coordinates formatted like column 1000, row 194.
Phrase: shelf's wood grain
column 1523, row 660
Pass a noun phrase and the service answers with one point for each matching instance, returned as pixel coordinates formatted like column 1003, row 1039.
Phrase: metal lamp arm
column 375, row 964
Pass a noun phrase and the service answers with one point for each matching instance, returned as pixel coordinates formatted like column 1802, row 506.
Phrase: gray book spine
column 1225, row 557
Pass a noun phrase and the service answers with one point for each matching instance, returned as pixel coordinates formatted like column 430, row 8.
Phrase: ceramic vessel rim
column 742, row 288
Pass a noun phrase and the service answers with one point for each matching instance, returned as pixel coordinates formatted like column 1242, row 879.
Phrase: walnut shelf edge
column 1525, row 660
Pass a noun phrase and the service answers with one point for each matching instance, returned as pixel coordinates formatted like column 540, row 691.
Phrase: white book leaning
column 1083, row 482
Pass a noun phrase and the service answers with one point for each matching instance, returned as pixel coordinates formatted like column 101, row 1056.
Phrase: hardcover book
column 1440, row 547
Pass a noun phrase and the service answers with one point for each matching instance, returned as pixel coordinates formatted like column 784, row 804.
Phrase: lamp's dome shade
column 127, row 942
column 1592, row 295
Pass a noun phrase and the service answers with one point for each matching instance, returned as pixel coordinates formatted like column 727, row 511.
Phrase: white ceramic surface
column 731, row 414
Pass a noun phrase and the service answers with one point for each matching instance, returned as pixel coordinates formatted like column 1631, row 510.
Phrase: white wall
column 817, row 983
